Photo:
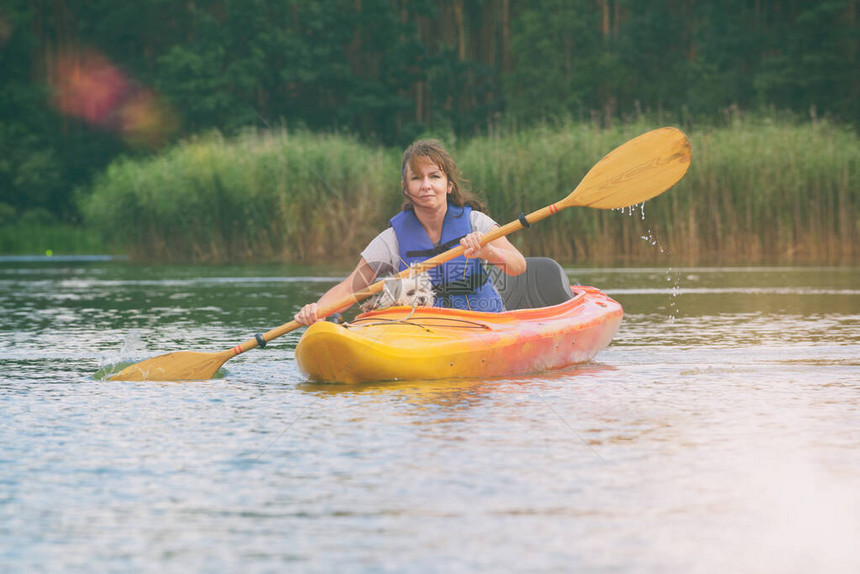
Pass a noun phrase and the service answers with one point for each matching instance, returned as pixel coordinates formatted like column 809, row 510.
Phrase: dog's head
column 413, row 291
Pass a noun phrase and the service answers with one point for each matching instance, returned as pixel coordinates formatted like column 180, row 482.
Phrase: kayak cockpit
column 543, row 284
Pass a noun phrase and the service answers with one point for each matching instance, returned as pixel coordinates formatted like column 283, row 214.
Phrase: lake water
column 720, row 432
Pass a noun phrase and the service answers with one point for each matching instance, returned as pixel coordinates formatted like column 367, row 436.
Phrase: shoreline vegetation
column 761, row 190
column 49, row 239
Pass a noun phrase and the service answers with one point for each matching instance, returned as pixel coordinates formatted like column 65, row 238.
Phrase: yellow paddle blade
column 180, row 366
column 634, row 172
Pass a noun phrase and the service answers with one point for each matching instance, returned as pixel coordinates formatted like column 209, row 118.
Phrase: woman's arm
column 362, row 276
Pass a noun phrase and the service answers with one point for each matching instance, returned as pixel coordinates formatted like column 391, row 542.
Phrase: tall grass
column 52, row 239
column 261, row 197
column 525, row 170
column 759, row 190
column 768, row 190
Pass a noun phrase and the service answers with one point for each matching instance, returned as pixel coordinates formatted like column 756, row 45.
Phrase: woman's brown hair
column 433, row 151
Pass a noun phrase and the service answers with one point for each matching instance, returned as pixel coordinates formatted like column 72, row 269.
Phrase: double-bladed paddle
column 632, row 173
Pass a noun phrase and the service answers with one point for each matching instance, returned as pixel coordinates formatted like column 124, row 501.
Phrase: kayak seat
column 544, row 283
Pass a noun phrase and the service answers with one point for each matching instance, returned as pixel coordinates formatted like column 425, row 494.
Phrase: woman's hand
column 308, row 314
column 472, row 243
column 499, row 252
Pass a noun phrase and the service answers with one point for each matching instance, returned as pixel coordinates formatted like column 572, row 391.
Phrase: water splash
column 652, row 240
column 631, row 210
column 671, row 276
column 115, row 361
column 674, row 278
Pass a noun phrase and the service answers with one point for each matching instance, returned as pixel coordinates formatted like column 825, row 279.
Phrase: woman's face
column 428, row 185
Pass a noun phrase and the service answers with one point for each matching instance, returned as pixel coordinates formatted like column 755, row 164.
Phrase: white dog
column 413, row 291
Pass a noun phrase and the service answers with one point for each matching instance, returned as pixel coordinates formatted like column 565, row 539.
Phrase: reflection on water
column 719, row 432
column 447, row 388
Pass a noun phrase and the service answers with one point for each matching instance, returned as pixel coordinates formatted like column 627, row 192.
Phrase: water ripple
column 719, row 432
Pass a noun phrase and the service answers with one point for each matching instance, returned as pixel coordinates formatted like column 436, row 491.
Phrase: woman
column 437, row 214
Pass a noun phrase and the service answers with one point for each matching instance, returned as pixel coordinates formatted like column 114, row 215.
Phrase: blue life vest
column 460, row 283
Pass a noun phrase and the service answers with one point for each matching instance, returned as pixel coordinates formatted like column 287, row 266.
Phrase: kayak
column 402, row 343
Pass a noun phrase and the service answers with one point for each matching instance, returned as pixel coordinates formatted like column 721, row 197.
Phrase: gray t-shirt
column 383, row 252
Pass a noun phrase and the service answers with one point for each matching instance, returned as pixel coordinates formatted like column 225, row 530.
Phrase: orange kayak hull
column 399, row 343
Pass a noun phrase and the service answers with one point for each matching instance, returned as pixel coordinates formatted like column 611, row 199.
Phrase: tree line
column 85, row 81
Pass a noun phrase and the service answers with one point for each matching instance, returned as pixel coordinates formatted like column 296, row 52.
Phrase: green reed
column 529, row 169
column 759, row 190
column 262, row 196
column 49, row 239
